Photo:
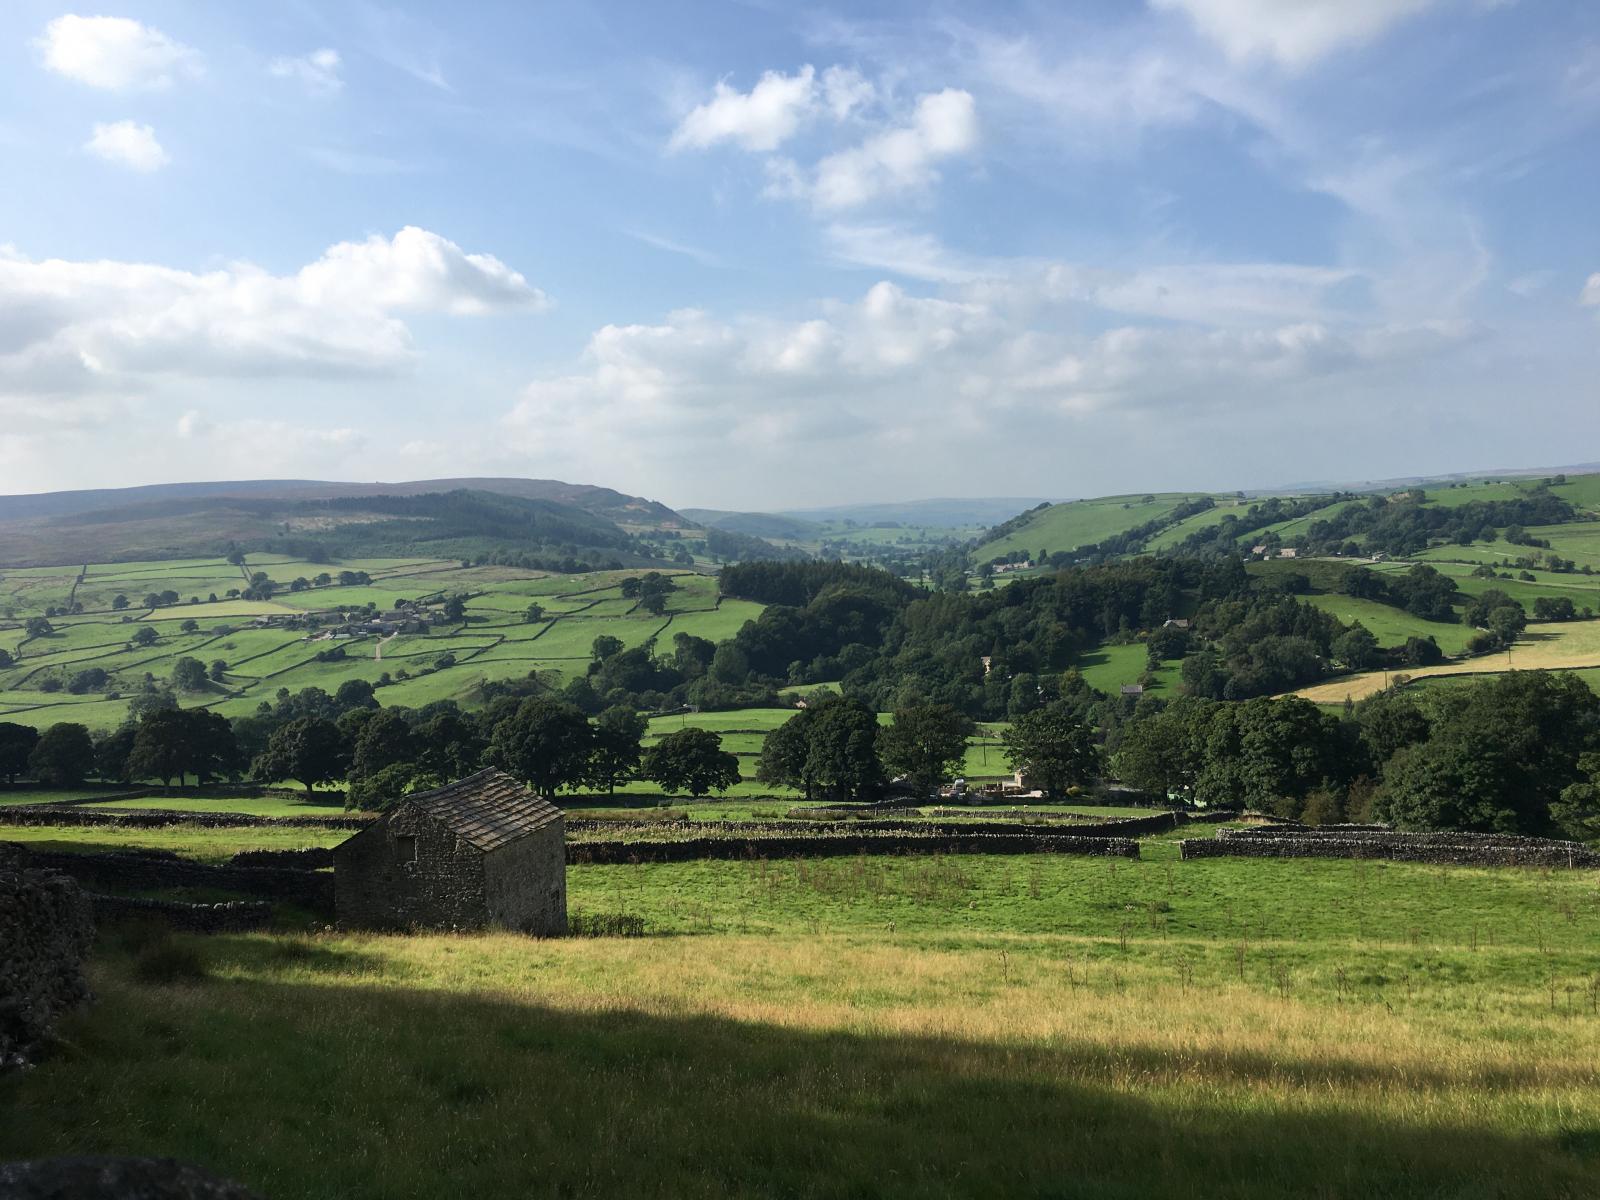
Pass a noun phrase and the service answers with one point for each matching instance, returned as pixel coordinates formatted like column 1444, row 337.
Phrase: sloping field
column 1392, row 626
column 1568, row 645
column 1082, row 523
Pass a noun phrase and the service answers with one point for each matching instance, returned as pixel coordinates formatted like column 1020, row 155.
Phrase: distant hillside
column 632, row 512
column 754, row 524
column 944, row 513
column 1053, row 528
column 454, row 524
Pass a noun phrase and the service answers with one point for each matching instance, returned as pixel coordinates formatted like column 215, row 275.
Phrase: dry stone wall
column 152, row 870
column 46, row 928
column 1443, row 849
column 232, row 916
column 846, row 844
column 155, row 818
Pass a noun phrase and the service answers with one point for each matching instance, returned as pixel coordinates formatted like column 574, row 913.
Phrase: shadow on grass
column 334, row 1086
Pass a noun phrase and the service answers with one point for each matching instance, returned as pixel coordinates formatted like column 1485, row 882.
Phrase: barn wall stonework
column 435, row 882
column 526, row 883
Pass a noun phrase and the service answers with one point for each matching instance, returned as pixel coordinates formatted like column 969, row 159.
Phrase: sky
column 767, row 255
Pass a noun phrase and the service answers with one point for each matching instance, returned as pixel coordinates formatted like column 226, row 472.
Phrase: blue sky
column 754, row 255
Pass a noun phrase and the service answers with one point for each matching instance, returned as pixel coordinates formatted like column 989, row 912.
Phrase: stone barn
column 480, row 852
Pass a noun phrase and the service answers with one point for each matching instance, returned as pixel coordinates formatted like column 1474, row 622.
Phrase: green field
column 1392, row 626
column 1031, row 1025
column 1081, row 523
column 495, row 643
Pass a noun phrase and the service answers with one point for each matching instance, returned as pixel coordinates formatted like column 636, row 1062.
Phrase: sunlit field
column 894, row 1026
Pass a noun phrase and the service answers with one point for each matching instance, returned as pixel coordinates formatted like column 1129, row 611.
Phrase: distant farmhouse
column 478, row 853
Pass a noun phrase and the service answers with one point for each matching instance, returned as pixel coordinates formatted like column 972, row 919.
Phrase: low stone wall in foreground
column 46, row 929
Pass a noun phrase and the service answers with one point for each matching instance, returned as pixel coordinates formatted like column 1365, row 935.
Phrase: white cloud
column 1293, row 33
column 115, row 53
column 901, row 388
column 761, row 119
column 844, row 90
column 317, row 72
column 82, row 329
column 128, row 144
column 1591, row 290
column 944, row 124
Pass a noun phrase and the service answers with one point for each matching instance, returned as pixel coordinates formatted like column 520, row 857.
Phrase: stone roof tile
column 487, row 809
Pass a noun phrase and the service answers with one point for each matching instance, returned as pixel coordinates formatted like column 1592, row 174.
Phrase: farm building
column 482, row 851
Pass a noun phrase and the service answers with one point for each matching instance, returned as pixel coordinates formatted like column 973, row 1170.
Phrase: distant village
column 326, row 624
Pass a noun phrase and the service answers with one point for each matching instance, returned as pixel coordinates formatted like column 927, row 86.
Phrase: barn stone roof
column 487, row 809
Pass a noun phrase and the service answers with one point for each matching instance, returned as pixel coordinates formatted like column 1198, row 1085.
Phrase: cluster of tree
column 651, row 591
column 1408, row 524
column 836, row 749
column 727, row 546
column 382, row 754
column 1222, row 539
column 1516, row 754
column 1423, row 591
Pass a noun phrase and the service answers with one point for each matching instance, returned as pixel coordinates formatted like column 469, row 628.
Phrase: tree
column 1357, row 649
column 927, row 744
column 783, row 755
column 386, row 788
column 1499, row 755
column 6, row 659
column 219, row 671
column 145, row 635
column 842, row 749
column 16, row 744
column 544, row 743
column 189, row 675
column 37, row 627
column 693, row 761
column 310, row 749
column 618, row 732
column 119, row 602
column 1053, row 749
column 604, row 647
column 455, row 608
column 90, row 679
column 354, row 693
column 190, row 625
column 386, row 738
column 1164, row 753
column 1554, row 608
column 173, row 742
column 63, row 756
column 452, row 745
column 111, row 753
column 534, row 613
column 1577, row 812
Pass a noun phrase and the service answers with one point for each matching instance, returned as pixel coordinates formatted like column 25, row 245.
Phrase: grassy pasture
column 1392, row 626
column 1081, row 523
column 1109, row 667
column 911, row 1026
column 1212, row 516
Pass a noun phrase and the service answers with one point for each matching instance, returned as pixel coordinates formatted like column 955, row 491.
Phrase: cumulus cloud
column 895, row 384
column 115, row 53
column 317, row 72
column 1591, row 290
column 903, row 158
column 761, row 119
column 128, row 144
column 78, row 329
column 1293, row 33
